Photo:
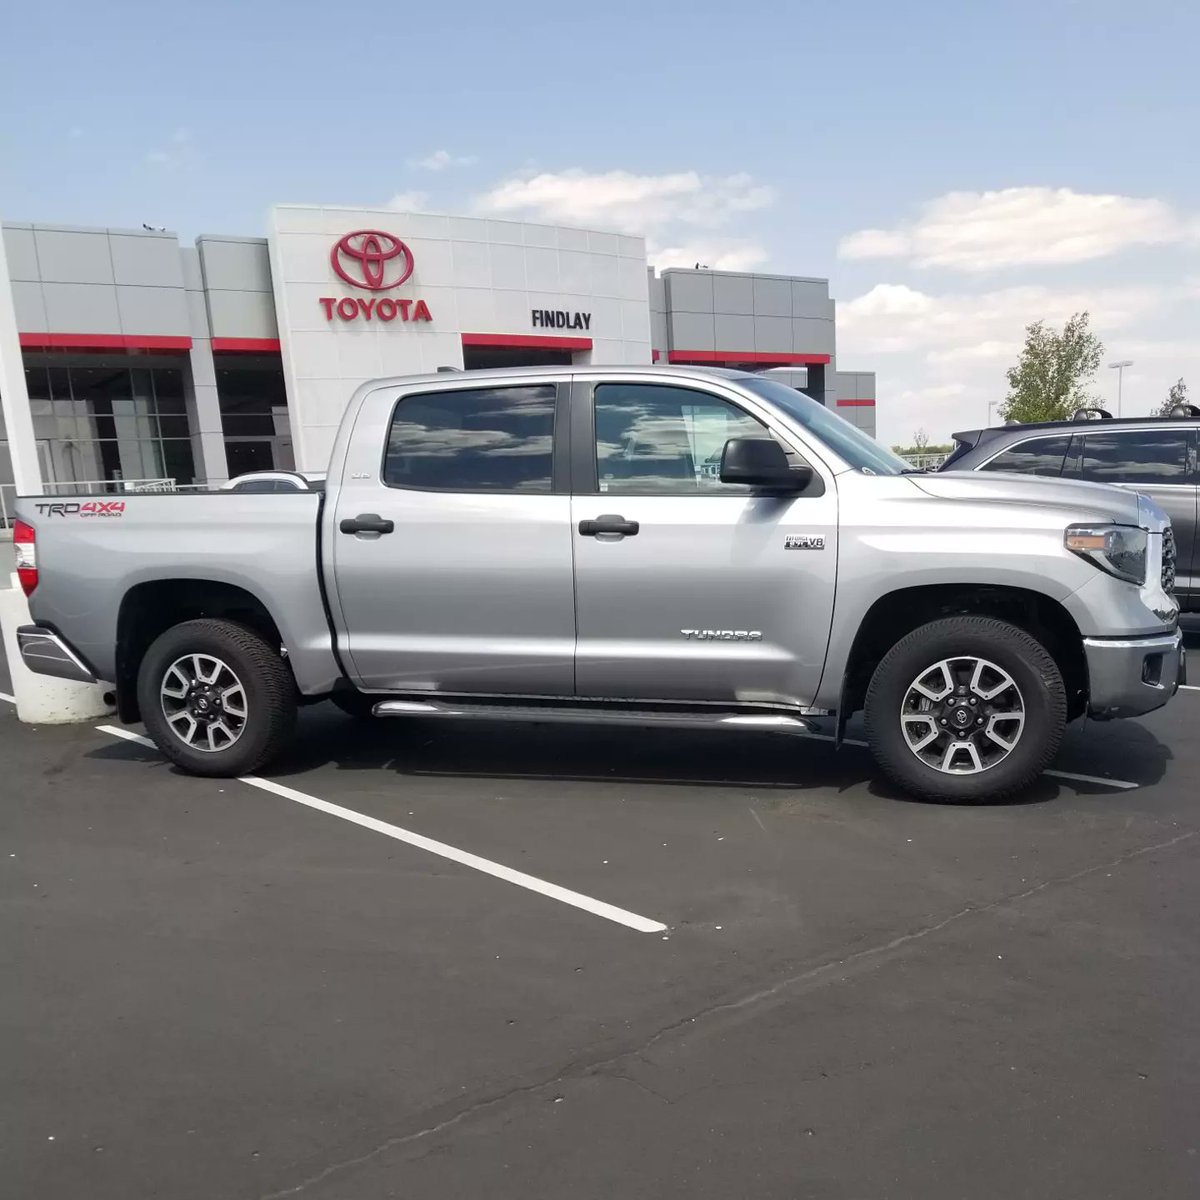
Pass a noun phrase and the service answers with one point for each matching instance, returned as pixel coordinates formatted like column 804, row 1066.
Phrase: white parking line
column 1122, row 784
column 597, row 908
column 6, row 696
column 1188, row 687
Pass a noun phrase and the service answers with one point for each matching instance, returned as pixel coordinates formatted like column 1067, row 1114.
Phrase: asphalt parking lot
column 217, row 990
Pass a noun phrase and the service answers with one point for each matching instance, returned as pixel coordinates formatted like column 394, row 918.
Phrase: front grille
column 1168, row 560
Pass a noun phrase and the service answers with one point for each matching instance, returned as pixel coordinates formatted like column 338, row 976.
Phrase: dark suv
column 1153, row 455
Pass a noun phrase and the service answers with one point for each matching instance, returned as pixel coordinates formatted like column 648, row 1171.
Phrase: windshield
column 855, row 447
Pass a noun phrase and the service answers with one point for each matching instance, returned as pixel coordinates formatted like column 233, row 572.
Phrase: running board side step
column 654, row 718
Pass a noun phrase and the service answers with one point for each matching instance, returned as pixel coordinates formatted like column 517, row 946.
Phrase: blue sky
column 1007, row 161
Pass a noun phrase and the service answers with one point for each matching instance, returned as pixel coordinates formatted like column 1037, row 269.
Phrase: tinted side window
column 496, row 439
column 1136, row 456
column 1041, row 456
column 656, row 438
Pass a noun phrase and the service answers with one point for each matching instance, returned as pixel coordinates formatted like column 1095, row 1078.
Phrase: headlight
column 1118, row 549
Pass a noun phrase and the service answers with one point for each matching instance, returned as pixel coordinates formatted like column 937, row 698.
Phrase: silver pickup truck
column 652, row 546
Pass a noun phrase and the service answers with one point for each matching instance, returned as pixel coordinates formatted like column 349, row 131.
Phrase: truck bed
column 93, row 550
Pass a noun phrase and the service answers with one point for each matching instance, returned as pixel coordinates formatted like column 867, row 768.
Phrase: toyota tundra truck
column 649, row 546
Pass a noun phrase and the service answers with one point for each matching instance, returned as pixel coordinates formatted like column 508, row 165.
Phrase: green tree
column 1177, row 395
column 1049, row 381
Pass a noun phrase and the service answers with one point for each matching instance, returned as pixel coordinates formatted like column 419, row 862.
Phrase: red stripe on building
column 760, row 357
column 103, row 341
column 856, row 404
column 517, row 341
column 245, row 345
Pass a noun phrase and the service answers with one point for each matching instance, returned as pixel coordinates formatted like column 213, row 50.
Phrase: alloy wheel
column 204, row 702
column 962, row 715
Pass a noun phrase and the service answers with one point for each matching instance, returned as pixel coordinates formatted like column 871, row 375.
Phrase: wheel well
column 898, row 613
column 150, row 609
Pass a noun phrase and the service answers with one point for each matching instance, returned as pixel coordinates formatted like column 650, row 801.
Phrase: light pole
column 1119, row 367
column 992, row 404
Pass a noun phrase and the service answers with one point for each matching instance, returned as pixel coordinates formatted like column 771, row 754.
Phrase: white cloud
column 680, row 213
column 941, row 357
column 1022, row 226
column 439, row 160
column 949, row 328
column 628, row 203
column 719, row 254
column 410, row 201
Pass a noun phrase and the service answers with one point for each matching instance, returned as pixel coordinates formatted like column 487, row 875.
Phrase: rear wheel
column 966, row 709
column 216, row 697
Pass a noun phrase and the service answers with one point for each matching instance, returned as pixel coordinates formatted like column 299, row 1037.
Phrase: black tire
column 266, row 682
column 1017, row 653
column 354, row 704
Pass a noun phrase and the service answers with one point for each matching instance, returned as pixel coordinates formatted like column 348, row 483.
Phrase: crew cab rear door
column 451, row 542
column 688, row 588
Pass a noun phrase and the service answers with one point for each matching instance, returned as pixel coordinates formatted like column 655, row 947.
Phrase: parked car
column 544, row 544
column 275, row 481
column 1155, row 456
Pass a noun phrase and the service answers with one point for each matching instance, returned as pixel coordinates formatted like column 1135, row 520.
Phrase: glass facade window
column 252, row 396
column 107, row 420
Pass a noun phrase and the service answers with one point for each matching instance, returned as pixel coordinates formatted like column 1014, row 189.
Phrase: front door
column 452, row 564
column 720, row 594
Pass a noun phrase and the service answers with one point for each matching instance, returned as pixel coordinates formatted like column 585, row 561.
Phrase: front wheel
column 966, row 710
column 216, row 697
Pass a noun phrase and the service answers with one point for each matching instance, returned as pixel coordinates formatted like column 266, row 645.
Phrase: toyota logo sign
column 371, row 259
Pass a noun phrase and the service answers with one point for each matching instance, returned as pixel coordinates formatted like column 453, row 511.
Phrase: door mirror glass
column 761, row 462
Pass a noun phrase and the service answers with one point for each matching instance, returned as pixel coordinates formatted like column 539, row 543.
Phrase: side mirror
column 762, row 463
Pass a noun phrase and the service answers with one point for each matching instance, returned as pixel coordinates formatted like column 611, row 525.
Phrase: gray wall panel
column 189, row 259
column 691, row 331
column 21, row 251
column 197, row 315
column 154, row 311
column 772, row 298
column 733, row 333
column 812, row 336
column 81, row 307
column 806, row 293
column 145, row 261
column 30, row 307
column 68, row 257
column 235, row 265
column 689, row 291
column 242, row 314
column 733, row 294
column 773, row 334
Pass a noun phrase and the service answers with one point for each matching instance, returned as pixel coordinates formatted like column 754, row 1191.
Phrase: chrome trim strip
column 45, row 653
column 1161, row 641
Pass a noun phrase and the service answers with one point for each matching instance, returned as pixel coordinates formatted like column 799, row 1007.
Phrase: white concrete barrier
column 40, row 699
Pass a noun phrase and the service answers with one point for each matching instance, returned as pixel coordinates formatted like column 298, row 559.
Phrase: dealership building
column 143, row 359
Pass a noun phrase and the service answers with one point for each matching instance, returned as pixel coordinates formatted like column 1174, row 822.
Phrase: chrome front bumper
column 1131, row 676
column 45, row 653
